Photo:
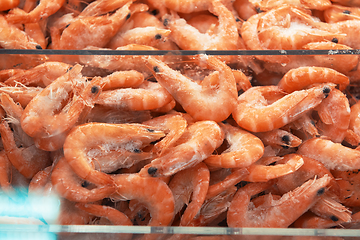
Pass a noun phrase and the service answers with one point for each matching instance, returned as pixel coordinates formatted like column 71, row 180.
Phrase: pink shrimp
column 334, row 113
column 8, row 4
column 244, row 150
column 122, row 79
column 22, row 95
column 333, row 155
column 83, row 152
column 195, row 181
column 260, row 172
column 300, row 78
column 45, row 9
column 195, row 144
column 282, row 212
column 189, row 38
column 205, row 101
column 70, row 186
column 152, row 192
column 148, row 95
column 254, row 114
column 279, row 138
column 95, row 31
column 271, row 4
column 35, row 119
column 39, row 76
column 101, row 7
column 337, row 13
column 354, row 124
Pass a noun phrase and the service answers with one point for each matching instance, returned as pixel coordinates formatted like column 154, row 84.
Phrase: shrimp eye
column 285, row 139
column 67, row 25
column 156, row 69
column 326, row 91
column 152, row 171
column 335, row 40
column 237, row 19
column 137, row 150
column 128, row 16
column 85, row 184
column 258, row 10
column 155, row 12
column 166, row 22
column 38, row 47
column 158, row 36
column 334, row 218
column 95, row 89
column 285, row 147
column 320, row 191
column 150, row 130
column 346, row 12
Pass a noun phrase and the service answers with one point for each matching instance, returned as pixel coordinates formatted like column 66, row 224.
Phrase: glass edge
column 180, row 52
column 179, row 230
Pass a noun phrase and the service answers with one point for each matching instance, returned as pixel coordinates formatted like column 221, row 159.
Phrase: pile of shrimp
column 171, row 140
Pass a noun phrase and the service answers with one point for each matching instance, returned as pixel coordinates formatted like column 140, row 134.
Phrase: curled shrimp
column 43, row 10
column 254, row 114
column 8, row 4
column 244, row 150
column 282, row 212
column 205, row 101
column 67, row 183
column 152, row 192
column 147, row 96
column 82, row 152
column 302, row 77
column 188, row 37
column 334, row 156
column 193, row 180
column 195, row 144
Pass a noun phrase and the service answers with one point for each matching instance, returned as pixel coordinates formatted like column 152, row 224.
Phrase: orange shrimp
column 196, row 144
column 260, row 172
column 95, row 31
column 188, row 37
column 334, row 112
column 205, row 23
column 36, row 120
column 244, row 8
column 8, row 73
column 254, row 114
column 337, row 13
column 147, row 96
column 8, row 4
column 205, row 101
column 187, row 6
column 173, row 125
column 351, row 29
column 302, row 77
column 70, row 186
column 43, row 10
column 282, row 212
column 28, row 160
column 195, row 181
column 5, row 172
column 152, row 192
column 279, row 138
column 83, row 152
column 354, row 124
column 39, row 76
column 348, row 182
column 122, row 79
column 310, row 220
column 22, row 95
column 334, row 156
column 101, row 7
column 271, row 4
column 244, row 150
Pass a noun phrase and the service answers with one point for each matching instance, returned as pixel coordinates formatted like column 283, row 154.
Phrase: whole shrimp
column 202, row 101
column 337, row 13
column 244, row 150
column 43, row 10
column 195, row 144
column 86, row 144
column 254, row 114
column 279, row 138
column 101, row 7
column 270, row 4
column 282, row 212
column 193, row 180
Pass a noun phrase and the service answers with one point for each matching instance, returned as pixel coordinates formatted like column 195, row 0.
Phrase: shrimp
column 282, row 212
column 302, row 77
column 254, row 114
column 189, row 38
column 196, row 144
column 8, row 4
column 5, row 172
column 122, row 79
column 28, row 160
column 337, row 13
column 173, row 125
column 101, row 7
column 43, row 10
column 244, row 150
column 82, row 151
column 333, row 155
column 23, row 95
column 187, row 6
column 95, row 31
column 205, row 23
column 8, row 73
column 279, row 138
column 271, row 4
column 310, row 220
column 39, row 76
column 354, row 124
column 36, row 120
column 244, row 8
column 205, row 101
column 348, row 182
column 334, row 113
column 152, row 192
column 147, row 96
column 259, row 172
column 70, row 186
